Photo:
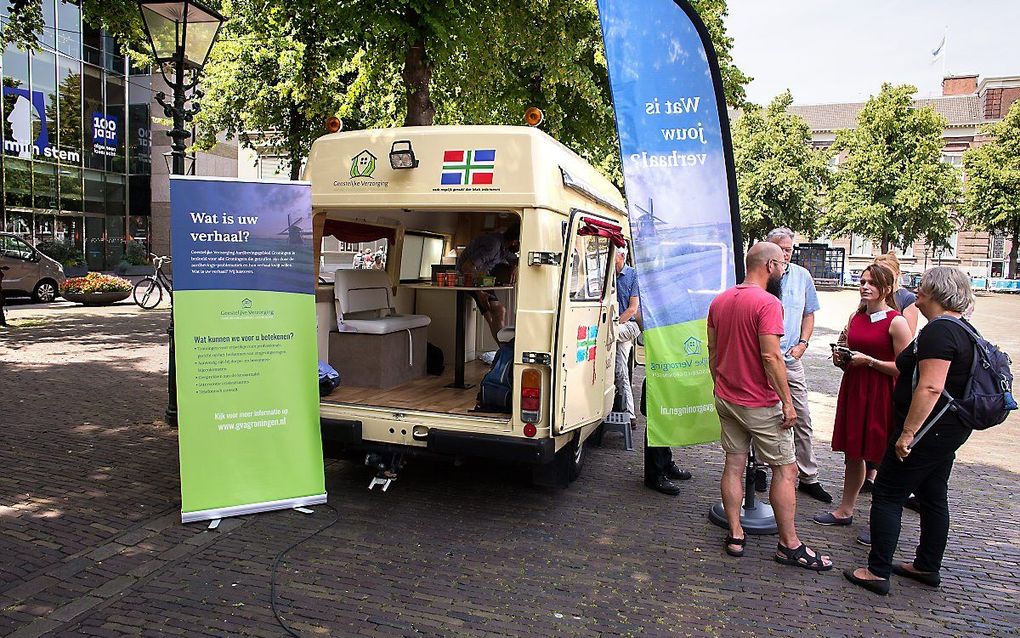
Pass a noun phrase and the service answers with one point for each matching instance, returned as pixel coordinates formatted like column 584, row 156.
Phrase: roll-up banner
column 682, row 200
column 244, row 323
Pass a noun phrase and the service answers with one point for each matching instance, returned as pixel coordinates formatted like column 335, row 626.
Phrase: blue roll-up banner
column 682, row 200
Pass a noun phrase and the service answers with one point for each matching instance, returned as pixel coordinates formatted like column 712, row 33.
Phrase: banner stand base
column 253, row 508
column 758, row 520
column 755, row 517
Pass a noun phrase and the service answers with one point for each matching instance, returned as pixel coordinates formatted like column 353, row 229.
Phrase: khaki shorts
column 773, row 445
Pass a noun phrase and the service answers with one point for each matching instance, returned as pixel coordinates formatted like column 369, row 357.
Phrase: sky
column 843, row 50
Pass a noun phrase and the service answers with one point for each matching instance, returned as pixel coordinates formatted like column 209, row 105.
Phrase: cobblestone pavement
column 91, row 544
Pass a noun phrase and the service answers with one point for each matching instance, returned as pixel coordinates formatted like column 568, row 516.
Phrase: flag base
column 755, row 517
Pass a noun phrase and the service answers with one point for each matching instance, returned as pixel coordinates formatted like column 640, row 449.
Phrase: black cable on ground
column 279, row 559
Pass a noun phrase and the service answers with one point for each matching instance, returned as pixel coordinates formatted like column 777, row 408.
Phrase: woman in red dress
column 876, row 333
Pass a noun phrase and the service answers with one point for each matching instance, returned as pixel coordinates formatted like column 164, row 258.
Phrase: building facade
column 76, row 138
column 967, row 104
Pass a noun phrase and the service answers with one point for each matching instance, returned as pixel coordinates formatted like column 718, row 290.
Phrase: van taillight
column 531, row 395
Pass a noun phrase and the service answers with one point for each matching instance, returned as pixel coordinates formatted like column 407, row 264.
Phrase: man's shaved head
column 758, row 256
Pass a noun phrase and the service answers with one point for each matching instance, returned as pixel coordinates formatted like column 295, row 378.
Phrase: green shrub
column 68, row 254
column 136, row 254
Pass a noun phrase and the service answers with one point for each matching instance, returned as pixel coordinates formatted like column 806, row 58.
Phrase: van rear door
column 585, row 347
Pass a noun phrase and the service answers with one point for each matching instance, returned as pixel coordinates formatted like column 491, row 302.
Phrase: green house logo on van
column 363, row 165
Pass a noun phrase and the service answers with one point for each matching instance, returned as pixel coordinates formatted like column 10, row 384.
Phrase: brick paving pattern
column 91, row 543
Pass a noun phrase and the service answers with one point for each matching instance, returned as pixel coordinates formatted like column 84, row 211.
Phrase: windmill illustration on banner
column 294, row 232
column 647, row 220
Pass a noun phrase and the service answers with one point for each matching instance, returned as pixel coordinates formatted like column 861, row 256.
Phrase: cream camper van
column 417, row 197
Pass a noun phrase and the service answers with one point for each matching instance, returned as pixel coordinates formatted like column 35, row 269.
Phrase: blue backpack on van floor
column 988, row 397
column 496, row 391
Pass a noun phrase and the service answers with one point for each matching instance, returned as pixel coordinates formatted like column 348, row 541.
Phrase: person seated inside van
column 492, row 254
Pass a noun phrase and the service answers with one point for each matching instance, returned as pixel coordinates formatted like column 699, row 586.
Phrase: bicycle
column 148, row 292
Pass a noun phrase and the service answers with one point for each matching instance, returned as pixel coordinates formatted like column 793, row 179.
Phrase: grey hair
column 621, row 250
column 948, row 287
column 779, row 233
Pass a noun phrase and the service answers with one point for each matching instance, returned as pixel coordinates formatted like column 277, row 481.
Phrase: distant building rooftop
column 959, row 110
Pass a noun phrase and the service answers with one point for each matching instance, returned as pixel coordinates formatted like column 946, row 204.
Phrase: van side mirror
column 36, row 256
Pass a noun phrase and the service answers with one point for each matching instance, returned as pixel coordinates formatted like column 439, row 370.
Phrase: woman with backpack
column 942, row 355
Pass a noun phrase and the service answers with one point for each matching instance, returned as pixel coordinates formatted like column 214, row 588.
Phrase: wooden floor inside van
column 428, row 393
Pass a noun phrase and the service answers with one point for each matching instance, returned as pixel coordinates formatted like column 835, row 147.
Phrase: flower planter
column 96, row 298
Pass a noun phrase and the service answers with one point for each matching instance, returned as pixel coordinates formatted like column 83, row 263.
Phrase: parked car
column 29, row 272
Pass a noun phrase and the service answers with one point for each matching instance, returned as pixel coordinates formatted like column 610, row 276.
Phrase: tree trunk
column 1013, row 249
column 417, row 75
column 294, row 121
column 885, row 244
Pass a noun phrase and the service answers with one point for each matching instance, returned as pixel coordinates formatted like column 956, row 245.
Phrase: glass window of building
column 17, row 183
column 71, row 189
column 95, row 192
column 113, row 117
column 69, row 97
column 18, row 107
column 69, row 29
column 48, row 37
column 44, row 103
column 92, row 104
column 44, row 185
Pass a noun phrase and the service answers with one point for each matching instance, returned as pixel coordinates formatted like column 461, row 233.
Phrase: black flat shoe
column 815, row 491
column 675, row 473
column 663, row 485
column 880, row 587
column 931, row 579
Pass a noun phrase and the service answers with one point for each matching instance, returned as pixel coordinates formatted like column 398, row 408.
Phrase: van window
column 419, row 254
column 588, row 265
column 14, row 247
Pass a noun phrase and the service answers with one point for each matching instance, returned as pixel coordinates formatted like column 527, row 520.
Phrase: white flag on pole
column 939, row 51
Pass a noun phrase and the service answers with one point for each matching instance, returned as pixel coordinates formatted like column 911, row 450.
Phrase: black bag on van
column 496, row 391
column 988, row 397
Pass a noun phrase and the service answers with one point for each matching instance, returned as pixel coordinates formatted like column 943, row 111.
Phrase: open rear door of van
column 585, row 343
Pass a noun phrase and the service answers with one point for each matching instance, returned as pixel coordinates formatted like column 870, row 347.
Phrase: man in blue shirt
column 628, row 331
column 800, row 302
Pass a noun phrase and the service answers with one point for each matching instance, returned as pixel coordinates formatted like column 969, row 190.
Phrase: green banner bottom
column 680, row 399
column 252, row 508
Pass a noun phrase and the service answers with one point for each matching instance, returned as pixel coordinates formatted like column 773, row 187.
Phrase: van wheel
column 570, row 459
column 45, row 291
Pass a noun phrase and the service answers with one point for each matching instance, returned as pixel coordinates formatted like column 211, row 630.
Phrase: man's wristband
column 804, row 341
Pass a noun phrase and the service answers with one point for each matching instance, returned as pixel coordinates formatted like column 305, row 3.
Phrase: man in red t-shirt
column 753, row 399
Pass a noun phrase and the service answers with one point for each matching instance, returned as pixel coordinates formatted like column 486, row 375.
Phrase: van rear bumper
column 347, row 434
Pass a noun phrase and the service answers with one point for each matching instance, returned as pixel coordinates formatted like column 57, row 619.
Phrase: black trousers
column 924, row 473
column 657, row 459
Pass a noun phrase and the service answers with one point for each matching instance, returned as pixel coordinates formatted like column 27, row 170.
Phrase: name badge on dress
column 878, row 316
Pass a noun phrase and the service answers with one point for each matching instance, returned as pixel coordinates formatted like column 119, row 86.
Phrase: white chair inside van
column 374, row 346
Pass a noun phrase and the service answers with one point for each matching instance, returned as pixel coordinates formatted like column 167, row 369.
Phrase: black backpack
column 988, row 396
column 496, row 391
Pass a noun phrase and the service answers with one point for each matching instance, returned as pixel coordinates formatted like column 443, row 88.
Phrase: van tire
column 45, row 291
column 571, row 458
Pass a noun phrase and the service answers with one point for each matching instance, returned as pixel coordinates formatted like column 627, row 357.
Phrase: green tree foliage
column 780, row 176
column 892, row 186
column 285, row 66
column 280, row 69
column 992, row 195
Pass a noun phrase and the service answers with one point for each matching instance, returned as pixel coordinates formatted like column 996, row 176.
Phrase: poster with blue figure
column 681, row 191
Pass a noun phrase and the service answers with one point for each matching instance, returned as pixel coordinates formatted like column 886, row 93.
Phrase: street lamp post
column 180, row 34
